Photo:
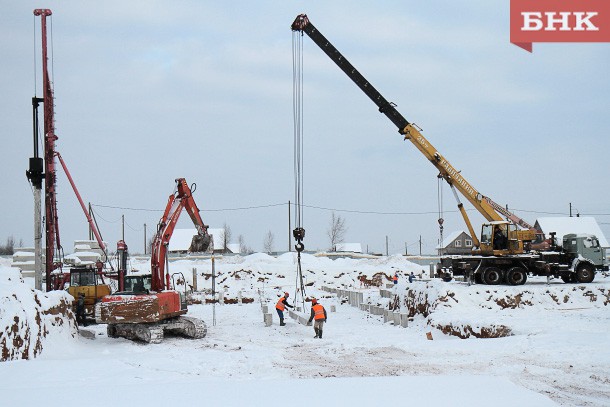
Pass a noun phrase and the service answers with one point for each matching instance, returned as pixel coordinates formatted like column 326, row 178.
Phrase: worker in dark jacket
column 80, row 310
column 318, row 313
column 281, row 306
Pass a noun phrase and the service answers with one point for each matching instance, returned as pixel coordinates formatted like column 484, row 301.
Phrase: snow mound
column 30, row 318
column 455, row 308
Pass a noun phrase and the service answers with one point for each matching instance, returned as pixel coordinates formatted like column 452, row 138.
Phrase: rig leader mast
column 35, row 173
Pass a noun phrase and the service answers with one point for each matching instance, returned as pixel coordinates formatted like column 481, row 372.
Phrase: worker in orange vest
column 281, row 306
column 395, row 278
column 318, row 313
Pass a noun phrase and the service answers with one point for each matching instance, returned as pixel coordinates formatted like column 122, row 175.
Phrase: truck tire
column 585, row 273
column 492, row 276
column 111, row 331
column 516, row 276
column 568, row 278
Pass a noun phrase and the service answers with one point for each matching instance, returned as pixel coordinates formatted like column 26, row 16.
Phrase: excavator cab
column 138, row 284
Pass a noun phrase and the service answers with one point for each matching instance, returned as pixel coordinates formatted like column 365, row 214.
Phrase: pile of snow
column 30, row 319
column 456, row 309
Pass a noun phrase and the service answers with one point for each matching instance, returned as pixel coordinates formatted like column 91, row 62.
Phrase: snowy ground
column 557, row 355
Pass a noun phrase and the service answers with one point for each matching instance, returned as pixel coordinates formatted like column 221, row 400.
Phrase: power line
column 370, row 212
column 204, row 210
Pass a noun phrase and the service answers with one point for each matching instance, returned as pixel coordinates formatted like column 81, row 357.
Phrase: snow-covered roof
column 181, row 240
column 349, row 247
column 447, row 240
column 565, row 225
column 234, row 247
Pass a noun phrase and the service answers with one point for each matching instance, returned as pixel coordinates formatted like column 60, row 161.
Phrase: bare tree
column 243, row 247
column 268, row 242
column 226, row 237
column 336, row 231
column 9, row 247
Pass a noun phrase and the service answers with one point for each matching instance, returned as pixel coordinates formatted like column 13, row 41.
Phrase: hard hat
column 314, row 301
column 286, row 295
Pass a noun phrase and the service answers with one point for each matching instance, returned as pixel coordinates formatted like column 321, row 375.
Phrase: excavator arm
column 484, row 205
column 182, row 198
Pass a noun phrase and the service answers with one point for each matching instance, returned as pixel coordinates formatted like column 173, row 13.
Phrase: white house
column 458, row 242
column 181, row 240
column 348, row 247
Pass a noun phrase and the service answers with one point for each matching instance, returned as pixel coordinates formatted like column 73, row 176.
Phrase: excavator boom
column 182, row 198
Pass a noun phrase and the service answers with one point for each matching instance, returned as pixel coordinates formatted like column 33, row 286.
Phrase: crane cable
column 297, row 108
column 441, row 220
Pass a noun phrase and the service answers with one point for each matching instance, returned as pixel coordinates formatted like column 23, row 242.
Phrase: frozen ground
column 558, row 353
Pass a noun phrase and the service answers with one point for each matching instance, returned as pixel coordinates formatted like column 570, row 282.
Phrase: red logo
column 558, row 21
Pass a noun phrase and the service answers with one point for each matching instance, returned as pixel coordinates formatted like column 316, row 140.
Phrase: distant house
column 458, row 242
column 565, row 225
column 181, row 241
column 348, row 247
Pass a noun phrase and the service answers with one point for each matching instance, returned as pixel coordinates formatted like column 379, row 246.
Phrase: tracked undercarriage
column 148, row 317
column 154, row 332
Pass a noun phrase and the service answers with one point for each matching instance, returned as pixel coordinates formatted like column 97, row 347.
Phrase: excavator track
column 187, row 327
column 149, row 333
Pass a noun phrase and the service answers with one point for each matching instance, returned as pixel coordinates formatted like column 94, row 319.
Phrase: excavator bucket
column 200, row 243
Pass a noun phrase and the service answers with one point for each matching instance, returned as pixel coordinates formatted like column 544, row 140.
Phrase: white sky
column 147, row 92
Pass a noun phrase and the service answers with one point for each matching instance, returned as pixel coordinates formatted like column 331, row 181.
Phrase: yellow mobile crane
column 500, row 254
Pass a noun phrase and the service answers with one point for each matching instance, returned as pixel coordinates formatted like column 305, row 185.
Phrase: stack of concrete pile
column 86, row 252
column 23, row 259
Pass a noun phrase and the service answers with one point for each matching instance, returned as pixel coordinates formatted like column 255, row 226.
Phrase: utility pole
column 289, row 230
column 406, row 250
column 145, row 238
column 420, row 245
column 90, row 229
column 570, row 209
column 386, row 245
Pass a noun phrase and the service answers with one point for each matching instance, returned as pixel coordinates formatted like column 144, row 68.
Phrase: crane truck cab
column 581, row 256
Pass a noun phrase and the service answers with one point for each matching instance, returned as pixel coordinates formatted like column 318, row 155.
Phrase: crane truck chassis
column 576, row 261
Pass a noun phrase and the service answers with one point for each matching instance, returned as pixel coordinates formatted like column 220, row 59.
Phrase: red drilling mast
column 53, row 242
column 51, row 223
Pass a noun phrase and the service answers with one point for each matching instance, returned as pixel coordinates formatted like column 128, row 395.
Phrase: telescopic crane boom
column 483, row 204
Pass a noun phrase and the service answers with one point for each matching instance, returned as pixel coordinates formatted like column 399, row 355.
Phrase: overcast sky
column 149, row 91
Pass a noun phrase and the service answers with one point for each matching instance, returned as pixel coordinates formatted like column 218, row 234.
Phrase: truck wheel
column 568, row 278
column 492, row 276
column 111, row 331
column 585, row 273
column 516, row 276
column 478, row 278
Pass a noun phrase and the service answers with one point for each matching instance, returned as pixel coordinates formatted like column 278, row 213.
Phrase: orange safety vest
column 318, row 312
column 280, row 304
column 395, row 279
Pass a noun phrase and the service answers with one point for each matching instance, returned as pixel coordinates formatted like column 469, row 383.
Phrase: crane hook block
column 299, row 234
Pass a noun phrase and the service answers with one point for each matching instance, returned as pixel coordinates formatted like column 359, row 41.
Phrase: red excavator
column 149, row 304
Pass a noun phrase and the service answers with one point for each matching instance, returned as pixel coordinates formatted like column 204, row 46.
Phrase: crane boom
column 484, row 205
